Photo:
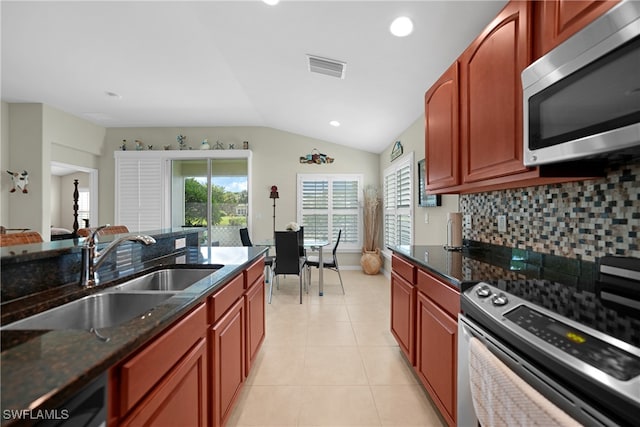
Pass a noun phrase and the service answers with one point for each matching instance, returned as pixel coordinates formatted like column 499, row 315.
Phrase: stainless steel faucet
column 91, row 259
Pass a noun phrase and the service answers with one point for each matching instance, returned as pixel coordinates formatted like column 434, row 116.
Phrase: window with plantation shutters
column 139, row 194
column 328, row 204
column 398, row 202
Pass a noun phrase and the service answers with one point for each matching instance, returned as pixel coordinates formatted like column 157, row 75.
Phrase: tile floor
column 332, row 361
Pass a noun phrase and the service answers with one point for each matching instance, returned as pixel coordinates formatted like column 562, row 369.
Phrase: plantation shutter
column 328, row 204
column 139, row 194
column 398, row 203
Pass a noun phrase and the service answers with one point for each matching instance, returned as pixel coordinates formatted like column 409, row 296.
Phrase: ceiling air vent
column 328, row 67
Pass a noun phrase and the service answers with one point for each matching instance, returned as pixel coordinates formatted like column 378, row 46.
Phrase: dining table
column 313, row 244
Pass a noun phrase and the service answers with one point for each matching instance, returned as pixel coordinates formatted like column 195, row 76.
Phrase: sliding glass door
column 213, row 194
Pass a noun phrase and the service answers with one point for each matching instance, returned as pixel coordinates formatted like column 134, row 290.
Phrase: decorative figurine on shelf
column 166, row 147
column 20, row 180
column 205, row 144
column 139, row 145
column 181, row 141
column 149, row 147
column 123, row 146
column 245, row 145
column 232, row 146
column 219, row 146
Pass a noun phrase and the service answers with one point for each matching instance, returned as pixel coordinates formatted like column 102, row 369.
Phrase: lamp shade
column 274, row 192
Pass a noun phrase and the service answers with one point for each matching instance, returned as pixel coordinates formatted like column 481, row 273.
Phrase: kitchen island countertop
column 43, row 369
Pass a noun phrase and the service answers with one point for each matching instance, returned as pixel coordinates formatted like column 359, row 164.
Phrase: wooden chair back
column 110, row 229
column 23, row 238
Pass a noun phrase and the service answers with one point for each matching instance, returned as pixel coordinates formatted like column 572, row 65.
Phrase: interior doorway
column 62, row 186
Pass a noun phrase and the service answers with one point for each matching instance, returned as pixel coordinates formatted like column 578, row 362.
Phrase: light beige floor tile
column 373, row 333
column 268, row 406
column 375, row 312
column 330, row 333
column 278, row 365
column 333, row 366
column 279, row 311
column 287, row 333
column 338, row 406
column 322, row 313
column 405, row 405
column 386, row 366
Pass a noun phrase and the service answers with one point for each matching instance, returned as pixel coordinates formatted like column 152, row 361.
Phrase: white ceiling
column 236, row 63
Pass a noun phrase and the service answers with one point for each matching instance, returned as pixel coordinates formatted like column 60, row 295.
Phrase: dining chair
column 268, row 260
column 288, row 259
column 332, row 264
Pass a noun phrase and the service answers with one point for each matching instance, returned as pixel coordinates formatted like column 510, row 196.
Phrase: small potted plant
column 371, row 261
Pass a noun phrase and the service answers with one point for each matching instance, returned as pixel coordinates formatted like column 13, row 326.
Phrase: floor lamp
column 274, row 196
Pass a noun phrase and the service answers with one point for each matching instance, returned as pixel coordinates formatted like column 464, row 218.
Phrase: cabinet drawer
column 404, row 269
column 441, row 293
column 252, row 273
column 225, row 297
column 140, row 373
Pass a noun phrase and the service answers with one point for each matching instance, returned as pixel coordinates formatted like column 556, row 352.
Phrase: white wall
column 32, row 136
column 276, row 161
column 56, row 201
column 5, row 181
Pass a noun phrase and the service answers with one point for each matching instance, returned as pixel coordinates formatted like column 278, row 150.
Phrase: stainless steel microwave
column 582, row 99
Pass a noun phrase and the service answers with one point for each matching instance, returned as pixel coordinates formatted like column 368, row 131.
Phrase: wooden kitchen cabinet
column 442, row 125
column 557, row 20
column 255, row 311
column 227, row 349
column 482, row 149
column 491, row 96
column 403, row 296
column 170, row 372
column 436, row 342
column 180, row 399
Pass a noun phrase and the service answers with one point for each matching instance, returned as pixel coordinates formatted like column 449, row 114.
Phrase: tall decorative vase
column 371, row 261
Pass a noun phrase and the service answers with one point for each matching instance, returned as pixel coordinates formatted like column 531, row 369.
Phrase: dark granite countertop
column 43, row 369
column 483, row 262
column 33, row 251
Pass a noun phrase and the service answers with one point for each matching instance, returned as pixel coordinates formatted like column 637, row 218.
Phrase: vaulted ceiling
column 236, row 63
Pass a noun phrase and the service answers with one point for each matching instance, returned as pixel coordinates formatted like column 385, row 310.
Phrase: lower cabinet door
column 181, row 398
column 402, row 314
column 436, row 355
column 254, row 300
column 228, row 362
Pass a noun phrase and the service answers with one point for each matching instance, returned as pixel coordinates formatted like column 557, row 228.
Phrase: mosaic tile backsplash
column 583, row 220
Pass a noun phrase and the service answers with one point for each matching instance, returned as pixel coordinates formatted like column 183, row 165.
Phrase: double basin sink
column 117, row 304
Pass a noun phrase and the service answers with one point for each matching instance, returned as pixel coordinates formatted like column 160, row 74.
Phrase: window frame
column 345, row 246
column 406, row 161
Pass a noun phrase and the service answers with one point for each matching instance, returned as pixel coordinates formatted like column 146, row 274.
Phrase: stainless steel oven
column 570, row 351
column 582, row 99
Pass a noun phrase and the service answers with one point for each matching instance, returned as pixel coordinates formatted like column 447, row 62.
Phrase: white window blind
column 139, row 194
column 328, row 204
column 398, row 202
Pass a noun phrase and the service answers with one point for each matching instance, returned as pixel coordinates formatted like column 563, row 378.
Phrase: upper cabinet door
column 491, row 96
column 442, row 142
column 558, row 20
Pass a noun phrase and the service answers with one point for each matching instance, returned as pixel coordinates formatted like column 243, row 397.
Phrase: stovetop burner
column 580, row 306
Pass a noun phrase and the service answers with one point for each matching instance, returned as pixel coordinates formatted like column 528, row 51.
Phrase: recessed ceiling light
column 334, row 123
column 271, row 2
column 401, row 26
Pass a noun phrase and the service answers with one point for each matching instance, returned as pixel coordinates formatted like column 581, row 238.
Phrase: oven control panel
column 552, row 332
column 610, row 359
